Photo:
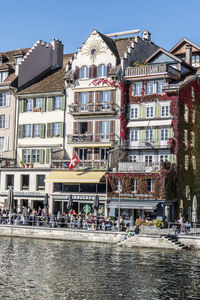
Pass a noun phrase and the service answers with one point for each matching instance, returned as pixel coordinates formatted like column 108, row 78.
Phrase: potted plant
column 26, row 165
column 31, row 164
column 22, row 164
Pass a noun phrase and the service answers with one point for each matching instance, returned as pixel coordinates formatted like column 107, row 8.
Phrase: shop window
column 88, row 187
column 70, row 188
column 25, row 182
column 101, row 188
column 9, row 181
column 57, row 187
column 40, row 182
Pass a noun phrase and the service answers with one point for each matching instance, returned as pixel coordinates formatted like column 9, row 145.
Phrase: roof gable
column 179, row 48
column 163, row 56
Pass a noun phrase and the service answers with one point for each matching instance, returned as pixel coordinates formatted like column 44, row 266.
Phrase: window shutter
column 77, row 72
column 170, row 132
column 97, row 101
column 90, row 72
column 5, row 148
column 49, row 130
column 143, row 135
column 50, row 104
column 112, row 130
column 21, row 106
column 48, row 153
column 94, row 71
column 63, row 103
column 109, row 67
column 7, row 120
column 41, row 156
column 113, row 97
column 90, row 127
column 76, row 98
column 75, row 127
column 43, row 105
column 158, row 110
column 96, row 154
column 91, row 97
column 8, row 99
column 97, row 131
column 62, row 130
column 42, row 131
column 20, row 131
column 89, row 154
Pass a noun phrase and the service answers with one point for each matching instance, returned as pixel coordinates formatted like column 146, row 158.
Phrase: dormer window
column 3, row 76
column 18, row 59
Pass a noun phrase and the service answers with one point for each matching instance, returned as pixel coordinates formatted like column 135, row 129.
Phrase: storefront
column 83, row 186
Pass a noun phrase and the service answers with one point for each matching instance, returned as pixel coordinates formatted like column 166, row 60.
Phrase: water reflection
column 39, row 269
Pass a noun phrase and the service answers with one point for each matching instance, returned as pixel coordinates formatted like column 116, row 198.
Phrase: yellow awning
column 90, row 145
column 74, row 177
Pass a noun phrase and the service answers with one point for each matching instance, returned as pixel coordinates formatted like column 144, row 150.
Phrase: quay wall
column 61, row 234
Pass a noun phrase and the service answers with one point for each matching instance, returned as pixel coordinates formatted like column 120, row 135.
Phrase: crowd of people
column 40, row 217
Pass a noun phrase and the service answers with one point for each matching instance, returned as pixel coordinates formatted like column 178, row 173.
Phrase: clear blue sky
column 24, row 22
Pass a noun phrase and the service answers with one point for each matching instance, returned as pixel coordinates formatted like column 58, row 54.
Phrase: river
column 43, row 269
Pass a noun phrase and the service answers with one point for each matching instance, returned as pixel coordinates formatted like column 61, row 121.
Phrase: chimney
column 57, row 54
column 146, row 35
column 188, row 54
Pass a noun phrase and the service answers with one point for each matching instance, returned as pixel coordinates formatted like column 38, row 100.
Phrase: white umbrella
column 194, row 209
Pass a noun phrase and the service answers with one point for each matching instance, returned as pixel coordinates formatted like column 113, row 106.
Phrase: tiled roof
column 122, row 45
column 110, row 43
column 51, row 82
column 10, row 54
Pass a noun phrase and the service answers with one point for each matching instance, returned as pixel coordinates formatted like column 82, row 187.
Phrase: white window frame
column 137, row 89
column 82, row 153
column 149, row 135
column 105, row 100
column 101, row 70
column 28, row 107
column 26, row 154
column 164, row 157
column 148, row 160
column 164, row 134
column 134, row 135
column 105, row 130
column 84, row 72
column 57, row 129
column 149, row 111
column 149, row 88
column 2, row 121
column 84, row 101
column 164, row 111
column 36, row 130
column 35, row 155
column 134, row 112
column 158, row 84
column 27, row 130
column 3, row 76
column 57, row 101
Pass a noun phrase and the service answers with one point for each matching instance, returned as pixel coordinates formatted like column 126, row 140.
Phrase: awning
column 135, row 204
column 150, row 123
column 75, row 177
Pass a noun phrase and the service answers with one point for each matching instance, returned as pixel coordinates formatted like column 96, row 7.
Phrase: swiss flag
column 73, row 162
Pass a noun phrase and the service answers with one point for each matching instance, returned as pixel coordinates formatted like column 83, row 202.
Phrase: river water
column 42, row 269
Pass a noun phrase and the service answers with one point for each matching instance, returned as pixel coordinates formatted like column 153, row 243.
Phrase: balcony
column 154, row 144
column 84, row 164
column 138, row 167
column 88, row 138
column 153, row 70
column 90, row 108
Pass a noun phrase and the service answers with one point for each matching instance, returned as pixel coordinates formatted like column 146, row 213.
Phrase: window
column 2, row 121
column 195, row 58
column 134, row 113
column 187, row 192
column 82, row 153
column 70, row 188
column 134, row 135
column 3, row 100
column 28, row 105
column 164, row 134
column 1, row 143
column 165, row 111
column 57, row 129
column 40, row 182
column 101, row 71
column 36, row 130
column 26, row 154
column 148, row 160
column 84, row 72
column 105, row 129
column 149, row 135
column 149, row 88
column 186, row 138
column 57, row 103
column 38, row 103
column 88, row 188
column 104, row 154
column 159, row 86
column 164, row 157
column 84, row 101
column 18, row 59
column 192, row 139
column 9, row 181
column 137, row 88
column 36, row 155
column 133, row 158
column 134, row 185
column 186, row 162
column 57, row 187
column 105, row 99
column 25, row 182
column 193, row 116
column 27, row 130
column 149, row 111
column 186, row 113
column 3, row 76
column 193, row 162
column 150, row 185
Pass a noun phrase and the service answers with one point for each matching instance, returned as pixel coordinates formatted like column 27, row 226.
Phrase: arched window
column 84, row 72
column 102, row 71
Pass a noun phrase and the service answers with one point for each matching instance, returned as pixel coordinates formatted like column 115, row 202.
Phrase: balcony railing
column 138, row 166
column 90, row 138
column 88, row 108
column 84, row 164
column 152, row 70
column 154, row 144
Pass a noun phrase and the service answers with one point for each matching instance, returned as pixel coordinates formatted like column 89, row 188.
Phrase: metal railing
column 138, row 166
column 91, row 164
column 90, row 138
column 103, row 107
column 141, row 144
column 151, row 70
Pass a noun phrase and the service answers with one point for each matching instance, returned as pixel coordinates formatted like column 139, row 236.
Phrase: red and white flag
column 73, row 162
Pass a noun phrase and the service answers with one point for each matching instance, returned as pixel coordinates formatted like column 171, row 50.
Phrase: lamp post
column 119, row 191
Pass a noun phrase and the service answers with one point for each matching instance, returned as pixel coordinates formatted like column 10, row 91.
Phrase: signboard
column 77, row 197
column 87, row 208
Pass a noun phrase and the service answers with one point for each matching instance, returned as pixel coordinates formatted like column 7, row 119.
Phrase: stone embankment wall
column 61, row 234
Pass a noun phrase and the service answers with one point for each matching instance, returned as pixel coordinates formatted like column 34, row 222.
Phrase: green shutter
column 143, row 135
column 42, row 131
column 21, row 106
column 43, row 105
column 48, row 153
column 143, row 112
column 140, row 112
column 171, row 158
column 41, row 156
column 63, row 103
column 49, row 130
column 155, row 135
column 62, row 130
column 171, row 133
column 158, row 110
column 50, row 104
column 21, row 131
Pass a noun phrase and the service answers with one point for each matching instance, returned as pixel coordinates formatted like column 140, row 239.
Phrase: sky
column 25, row 22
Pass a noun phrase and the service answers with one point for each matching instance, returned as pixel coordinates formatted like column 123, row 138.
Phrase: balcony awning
column 74, row 177
column 135, row 204
column 149, row 123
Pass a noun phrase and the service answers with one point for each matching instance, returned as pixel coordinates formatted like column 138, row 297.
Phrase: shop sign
column 75, row 197
column 87, row 208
